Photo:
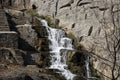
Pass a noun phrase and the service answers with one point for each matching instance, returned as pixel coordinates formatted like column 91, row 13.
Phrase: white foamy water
column 88, row 72
column 59, row 45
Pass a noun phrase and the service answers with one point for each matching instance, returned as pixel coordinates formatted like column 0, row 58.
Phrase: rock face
column 83, row 14
column 27, row 34
column 24, row 73
column 11, row 56
column 89, row 21
column 8, row 39
column 23, row 52
column 4, row 24
column 18, row 4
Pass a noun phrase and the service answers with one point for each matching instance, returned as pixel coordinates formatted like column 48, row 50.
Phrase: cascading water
column 88, row 72
column 59, row 45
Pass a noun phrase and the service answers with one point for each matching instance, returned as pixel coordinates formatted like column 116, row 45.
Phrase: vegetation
column 76, row 64
column 94, row 73
column 50, row 22
column 48, row 19
column 70, row 35
column 32, row 13
column 72, row 66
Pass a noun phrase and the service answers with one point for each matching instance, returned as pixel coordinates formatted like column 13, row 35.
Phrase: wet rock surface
column 88, row 20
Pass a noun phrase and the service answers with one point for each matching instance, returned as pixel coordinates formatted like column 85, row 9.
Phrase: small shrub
column 32, row 13
column 70, row 35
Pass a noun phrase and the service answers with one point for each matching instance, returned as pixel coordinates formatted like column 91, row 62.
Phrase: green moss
column 79, row 78
column 50, row 22
column 58, row 27
column 78, row 70
column 75, row 69
column 48, row 19
column 32, row 13
column 56, row 75
column 70, row 35
column 95, row 72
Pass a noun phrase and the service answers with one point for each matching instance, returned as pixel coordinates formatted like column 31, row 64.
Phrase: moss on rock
column 75, row 42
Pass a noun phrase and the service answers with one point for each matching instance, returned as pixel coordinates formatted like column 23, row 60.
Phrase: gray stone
column 3, row 22
column 91, row 18
column 8, row 39
column 28, row 37
column 11, row 56
column 18, row 4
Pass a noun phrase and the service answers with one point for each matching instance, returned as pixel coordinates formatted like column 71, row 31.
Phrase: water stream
column 59, row 46
column 88, row 72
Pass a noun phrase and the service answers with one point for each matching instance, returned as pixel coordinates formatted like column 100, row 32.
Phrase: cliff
column 93, row 23
column 24, row 51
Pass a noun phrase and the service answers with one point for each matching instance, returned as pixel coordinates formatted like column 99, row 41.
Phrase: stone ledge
column 4, row 29
column 7, row 32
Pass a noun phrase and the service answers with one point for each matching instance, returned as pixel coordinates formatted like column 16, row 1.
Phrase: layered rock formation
column 16, row 4
column 23, row 52
column 91, row 21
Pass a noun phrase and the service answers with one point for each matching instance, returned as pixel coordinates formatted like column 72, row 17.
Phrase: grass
column 70, row 35
column 32, row 13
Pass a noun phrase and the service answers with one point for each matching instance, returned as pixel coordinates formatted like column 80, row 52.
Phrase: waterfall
column 59, row 45
column 88, row 72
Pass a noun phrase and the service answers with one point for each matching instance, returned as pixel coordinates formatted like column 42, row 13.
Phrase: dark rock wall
column 8, row 39
column 11, row 56
column 3, row 21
